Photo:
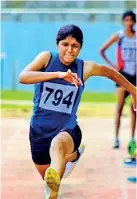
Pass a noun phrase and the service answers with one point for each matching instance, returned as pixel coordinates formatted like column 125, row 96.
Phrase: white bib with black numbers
column 58, row 97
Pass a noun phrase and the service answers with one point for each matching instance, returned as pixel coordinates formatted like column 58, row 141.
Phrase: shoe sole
column 52, row 180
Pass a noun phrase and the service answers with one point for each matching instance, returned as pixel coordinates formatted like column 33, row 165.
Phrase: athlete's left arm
column 94, row 69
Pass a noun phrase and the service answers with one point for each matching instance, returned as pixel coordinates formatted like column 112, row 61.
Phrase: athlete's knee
column 119, row 109
column 57, row 146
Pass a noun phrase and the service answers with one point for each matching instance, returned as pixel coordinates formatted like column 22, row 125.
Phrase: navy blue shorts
column 40, row 146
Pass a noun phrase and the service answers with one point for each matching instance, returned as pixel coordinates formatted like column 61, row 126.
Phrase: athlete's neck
column 130, row 32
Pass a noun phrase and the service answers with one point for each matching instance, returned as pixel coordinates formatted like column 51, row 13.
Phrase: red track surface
column 99, row 174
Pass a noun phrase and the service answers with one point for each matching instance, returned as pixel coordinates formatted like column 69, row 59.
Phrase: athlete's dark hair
column 129, row 13
column 70, row 30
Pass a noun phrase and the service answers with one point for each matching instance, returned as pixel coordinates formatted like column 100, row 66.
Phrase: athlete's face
column 69, row 49
column 128, row 22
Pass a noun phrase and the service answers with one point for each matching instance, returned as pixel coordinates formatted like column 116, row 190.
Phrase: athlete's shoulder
column 44, row 54
column 42, row 58
column 120, row 33
column 47, row 54
column 88, row 68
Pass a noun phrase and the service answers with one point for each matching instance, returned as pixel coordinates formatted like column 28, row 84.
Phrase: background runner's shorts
column 40, row 147
column 130, row 78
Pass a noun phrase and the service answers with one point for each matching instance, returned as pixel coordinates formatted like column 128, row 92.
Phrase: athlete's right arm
column 113, row 39
column 31, row 74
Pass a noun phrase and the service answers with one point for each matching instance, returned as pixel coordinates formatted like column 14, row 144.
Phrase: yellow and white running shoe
column 52, row 180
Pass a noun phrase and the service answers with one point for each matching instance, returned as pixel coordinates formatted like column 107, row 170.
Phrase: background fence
column 31, row 27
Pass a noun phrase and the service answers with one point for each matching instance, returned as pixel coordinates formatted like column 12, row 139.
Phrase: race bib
column 58, row 97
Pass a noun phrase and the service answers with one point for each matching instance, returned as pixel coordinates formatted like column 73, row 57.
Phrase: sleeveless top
column 56, row 101
column 126, row 53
